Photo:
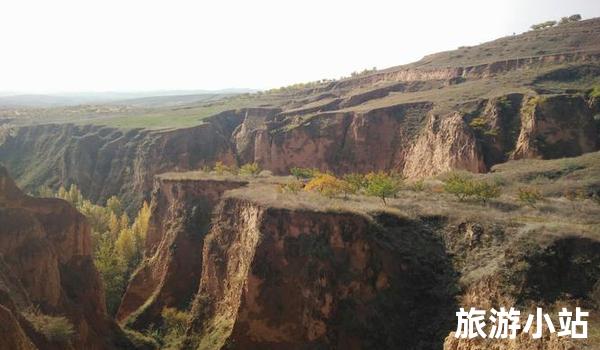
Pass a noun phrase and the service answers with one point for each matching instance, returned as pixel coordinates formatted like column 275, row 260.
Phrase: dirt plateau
column 262, row 274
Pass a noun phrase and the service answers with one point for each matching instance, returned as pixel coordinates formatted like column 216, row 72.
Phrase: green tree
column 304, row 173
column 382, row 185
column 112, row 271
column 114, row 204
column 251, row 169
column 529, row 196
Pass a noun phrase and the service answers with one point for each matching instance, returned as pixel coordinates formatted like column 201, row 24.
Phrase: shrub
column 221, row 169
column 303, row 173
column 382, row 185
column 251, row 169
column 529, row 196
column 570, row 19
column 327, row 185
column 54, row 328
column 354, row 183
column 175, row 321
column 463, row 187
column 543, row 25
column 485, row 191
column 291, row 187
column 458, row 184
column 418, row 186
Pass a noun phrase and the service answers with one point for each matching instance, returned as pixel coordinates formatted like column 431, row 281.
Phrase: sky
column 130, row 45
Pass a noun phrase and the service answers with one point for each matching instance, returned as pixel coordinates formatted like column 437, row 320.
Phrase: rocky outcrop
column 45, row 261
column 281, row 278
column 104, row 161
column 446, row 143
column 556, row 126
column 334, row 141
column 170, row 272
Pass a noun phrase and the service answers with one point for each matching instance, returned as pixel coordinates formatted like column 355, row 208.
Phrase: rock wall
column 45, row 261
column 283, row 278
column 410, row 138
column 170, row 272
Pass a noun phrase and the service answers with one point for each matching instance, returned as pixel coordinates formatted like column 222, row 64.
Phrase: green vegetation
column 543, row 25
column 463, row 186
column 382, row 185
column 595, row 93
column 221, row 169
column 172, row 332
column 118, row 245
column 250, row 169
column 54, row 328
column 290, row 187
column 529, row 196
column 570, row 19
column 304, row 173
column 327, row 185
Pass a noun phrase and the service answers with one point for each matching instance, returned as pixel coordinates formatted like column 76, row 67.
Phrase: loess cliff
column 46, row 270
column 277, row 270
column 526, row 96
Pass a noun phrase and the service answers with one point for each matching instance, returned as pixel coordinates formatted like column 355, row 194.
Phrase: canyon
column 254, row 265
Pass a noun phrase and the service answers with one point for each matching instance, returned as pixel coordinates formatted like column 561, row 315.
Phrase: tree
column 114, row 225
column 529, row 196
column 74, row 196
column 125, row 247
column 485, row 191
column 112, row 271
column 326, row 184
column 570, row 19
column 382, row 185
column 355, row 183
column 304, row 173
column 114, row 204
column 124, row 222
column 463, row 186
column 543, row 25
column 458, row 184
column 251, row 169
column 140, row 228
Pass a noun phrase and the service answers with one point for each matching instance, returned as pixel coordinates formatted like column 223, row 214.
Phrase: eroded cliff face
column 45, row 261
column 338, row 142
column 289, row 279
column 556, row 126
column 170, row 272
column 104, row 161
column 447, row 143
column 410, row 138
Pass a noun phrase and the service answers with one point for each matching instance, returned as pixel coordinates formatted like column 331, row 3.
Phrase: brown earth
column 45, row 261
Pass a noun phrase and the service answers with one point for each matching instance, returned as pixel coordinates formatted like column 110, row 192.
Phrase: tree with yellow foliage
column 327, row 184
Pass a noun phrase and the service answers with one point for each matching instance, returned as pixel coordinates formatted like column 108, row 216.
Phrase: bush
column 54, row 328
column 485, row 191
column 529, row 196
column 458, row 184
column 175, row 321
column 543, row 25
column 291, row 187
column 463, row 186
column 354, row 183
column 221, row 169
column 418, row 186
column 382, row 185
column 327, row 185
column 570, row 19
column 251, row 169
column 304, row 173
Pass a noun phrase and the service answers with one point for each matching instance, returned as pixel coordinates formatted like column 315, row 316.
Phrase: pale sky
column 119, row 45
